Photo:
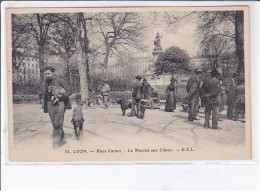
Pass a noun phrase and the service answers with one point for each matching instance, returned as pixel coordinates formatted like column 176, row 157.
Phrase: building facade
column 29, row 69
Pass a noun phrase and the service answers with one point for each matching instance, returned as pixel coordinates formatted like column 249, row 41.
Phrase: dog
column 124, row 105
column 185, row 107
column 57, row 93
column 92, row 103
column 77, row 121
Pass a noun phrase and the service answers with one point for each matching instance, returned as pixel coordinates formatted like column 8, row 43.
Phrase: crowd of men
column 208, row 90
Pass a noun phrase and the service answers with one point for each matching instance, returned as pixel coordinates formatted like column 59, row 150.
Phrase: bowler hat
column 138, row 77
column 51, row 68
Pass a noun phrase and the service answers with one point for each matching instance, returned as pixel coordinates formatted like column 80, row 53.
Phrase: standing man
column 231, row 97
column 193, row 89
column 240, row 99
column 105, row 93
column 212, row 89
column 136, row 97
column 56, row 93
column 221, row 96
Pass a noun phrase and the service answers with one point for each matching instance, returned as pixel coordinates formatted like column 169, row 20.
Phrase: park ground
column 32, row 128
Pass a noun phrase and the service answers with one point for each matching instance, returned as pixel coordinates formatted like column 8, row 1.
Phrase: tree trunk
column 41, row 61
column 106, row 57
column 82, row 74
column 239, row 40
column 68, row 71
column 81, row 63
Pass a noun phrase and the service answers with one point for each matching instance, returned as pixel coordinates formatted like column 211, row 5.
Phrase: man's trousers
column 57, row 112
column 211, row 108
column 193, row 107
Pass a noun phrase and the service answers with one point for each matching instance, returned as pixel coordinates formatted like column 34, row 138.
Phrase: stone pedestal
column 156, row 53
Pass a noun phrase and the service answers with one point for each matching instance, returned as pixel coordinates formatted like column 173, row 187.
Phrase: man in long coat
column 136, row 97
column 240, row 99
column 212, row 91
column 193, row 89
column 56, row 93
column 231, row 101
column 105, row 93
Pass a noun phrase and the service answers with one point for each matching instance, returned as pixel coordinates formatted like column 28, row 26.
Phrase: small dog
column 57, row 93
column 77, row 121
column 92, row 102
column 124, row 105
column 185, row 107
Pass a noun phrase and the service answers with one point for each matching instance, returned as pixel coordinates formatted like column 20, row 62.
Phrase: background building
column 28, row 68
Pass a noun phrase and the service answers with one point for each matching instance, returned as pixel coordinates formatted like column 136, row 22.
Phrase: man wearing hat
column 56, row 93
column 193, row 89
column 136, row 97
column 105, row 93
column 212, row 91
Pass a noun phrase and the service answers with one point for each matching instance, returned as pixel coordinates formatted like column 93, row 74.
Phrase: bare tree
column 63, row 34
column 213, row 46
column 226, row 24
column 239, row 39
column 40, row 26
column 82, row 43
column 20, row 40
column 121, row 32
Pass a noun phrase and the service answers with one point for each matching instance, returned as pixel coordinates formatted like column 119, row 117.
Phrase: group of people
column 141, row 90
column 56, row 92
column 209, row 91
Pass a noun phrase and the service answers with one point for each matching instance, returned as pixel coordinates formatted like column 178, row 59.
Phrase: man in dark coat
column 212, row 91
column 231, row 101
column 136, row 97
column 240, row 99
column 193, row 89
column 56, row 93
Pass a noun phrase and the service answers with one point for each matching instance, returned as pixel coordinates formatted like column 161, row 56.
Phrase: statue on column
column 157, row 43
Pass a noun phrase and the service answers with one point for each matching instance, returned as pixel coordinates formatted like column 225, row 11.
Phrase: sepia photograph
column 143, row 84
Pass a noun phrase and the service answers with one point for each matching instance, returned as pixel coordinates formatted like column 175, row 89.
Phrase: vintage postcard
column 128, row 84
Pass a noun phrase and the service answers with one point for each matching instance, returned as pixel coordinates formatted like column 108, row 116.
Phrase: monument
column 156, row 81
column 157, row 47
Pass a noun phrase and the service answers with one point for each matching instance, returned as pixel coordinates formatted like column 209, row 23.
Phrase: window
column 32, row 71
column 29, row 70
column 28, row 65
column 36, row 71
column 32, row 65
column 28, row 59
column 36, row 65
